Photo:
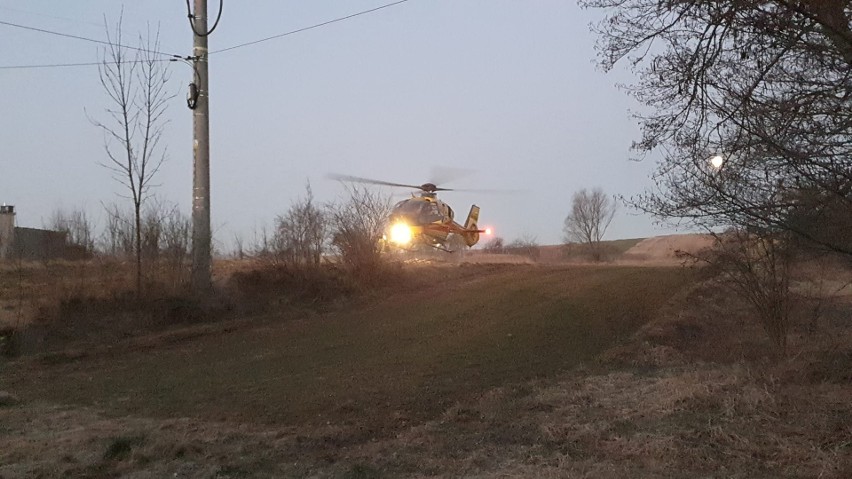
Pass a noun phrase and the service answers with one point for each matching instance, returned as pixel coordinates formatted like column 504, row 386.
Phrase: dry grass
column 694, row 392
column 31, row 291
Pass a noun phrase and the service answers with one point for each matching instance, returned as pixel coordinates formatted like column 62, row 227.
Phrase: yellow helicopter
column 424, row 219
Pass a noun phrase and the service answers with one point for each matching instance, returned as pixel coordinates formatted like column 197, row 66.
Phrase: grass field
column 456, row 371
column 410, row 354
column 378, row 366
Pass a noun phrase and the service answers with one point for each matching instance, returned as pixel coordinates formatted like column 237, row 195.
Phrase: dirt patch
column 668, row 248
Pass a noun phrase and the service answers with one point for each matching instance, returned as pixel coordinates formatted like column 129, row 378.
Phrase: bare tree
column 263, row 243
column 136, row 84
column 176, row 231
column 78, row 230
column 166, row 235
column 591, row 214
column 495, row 245
column 302, row 232
column 765, row 86
column 239, row 251
column 117, row 239
column 151, row 227
column 357, row 225
column 526, row 245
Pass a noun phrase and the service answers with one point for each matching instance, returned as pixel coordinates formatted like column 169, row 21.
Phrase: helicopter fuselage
column 427, row 220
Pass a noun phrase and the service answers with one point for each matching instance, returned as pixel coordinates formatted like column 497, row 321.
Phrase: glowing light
column 488, row 231
column 717, row 161
column 400, row 234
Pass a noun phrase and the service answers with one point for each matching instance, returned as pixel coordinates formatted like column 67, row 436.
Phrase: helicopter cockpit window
column 417, row 211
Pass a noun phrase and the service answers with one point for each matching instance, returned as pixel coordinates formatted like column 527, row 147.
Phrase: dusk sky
column 507, row 89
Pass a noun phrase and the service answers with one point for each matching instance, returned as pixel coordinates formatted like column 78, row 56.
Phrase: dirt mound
column 663, row 248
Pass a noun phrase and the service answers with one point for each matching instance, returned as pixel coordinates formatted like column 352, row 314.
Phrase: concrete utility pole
column 201, row 235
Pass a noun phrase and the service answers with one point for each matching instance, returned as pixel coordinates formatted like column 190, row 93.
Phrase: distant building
column 29, row 243
column 7, row 230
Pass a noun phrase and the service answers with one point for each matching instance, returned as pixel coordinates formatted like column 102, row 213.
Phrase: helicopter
column 424, row 219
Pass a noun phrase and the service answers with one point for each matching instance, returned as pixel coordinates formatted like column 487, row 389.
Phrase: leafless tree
column 151, row 227
column 263, row 243
column 166, row 234
column 239, row 251
column 302, row 232
column 591, row 214
column 117, row 239
column 357, row 225
column 176, row 231
column 494, row 245
column 136, row 85
column 766, row 86
column 526, row 245
column 78, row 230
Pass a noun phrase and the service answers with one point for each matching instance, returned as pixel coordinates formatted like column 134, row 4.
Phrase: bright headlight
column 400, row 234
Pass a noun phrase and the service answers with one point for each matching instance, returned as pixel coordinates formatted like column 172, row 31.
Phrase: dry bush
column 50, row 303
column 357, row 224
column 166, row 238
column 268, row 286
column 495, row 245
column 165, row 241
column 524, row 246
column 584, row 252
column 117, row 238
column 302, row 233
column 262, row 244
column 756, row 266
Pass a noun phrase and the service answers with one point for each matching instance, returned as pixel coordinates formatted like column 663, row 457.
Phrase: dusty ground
column 667, row 248
column 657, row 251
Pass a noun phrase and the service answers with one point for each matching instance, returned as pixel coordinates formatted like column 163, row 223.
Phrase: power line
column 174, row 57
column 70, row 65
column 77, row 37
column 310, row 27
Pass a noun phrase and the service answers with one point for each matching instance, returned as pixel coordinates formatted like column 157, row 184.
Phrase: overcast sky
column 506, row 88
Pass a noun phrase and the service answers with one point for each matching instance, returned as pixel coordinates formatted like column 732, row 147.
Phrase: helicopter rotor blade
column 430, row 187
column 358, row 179
column 488, row 192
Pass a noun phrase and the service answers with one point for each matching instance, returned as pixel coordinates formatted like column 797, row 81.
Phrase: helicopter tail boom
column 471, row 233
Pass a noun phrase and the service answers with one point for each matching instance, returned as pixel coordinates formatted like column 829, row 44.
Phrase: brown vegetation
column 456, row 370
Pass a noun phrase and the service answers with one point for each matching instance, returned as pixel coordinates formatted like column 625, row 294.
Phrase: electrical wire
column 310, row 27
column 192, row 17
column 70, row 65
column 179, row 57
column 77, row 37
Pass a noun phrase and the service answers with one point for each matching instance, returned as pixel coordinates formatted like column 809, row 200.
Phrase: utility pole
column 201, row 235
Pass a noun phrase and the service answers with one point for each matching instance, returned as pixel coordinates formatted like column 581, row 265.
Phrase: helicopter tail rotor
column 471, row 234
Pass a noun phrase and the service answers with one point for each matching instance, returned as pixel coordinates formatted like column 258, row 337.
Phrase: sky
column 506, row 90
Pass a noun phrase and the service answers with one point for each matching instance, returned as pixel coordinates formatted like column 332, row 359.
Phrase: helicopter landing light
column 400, row 233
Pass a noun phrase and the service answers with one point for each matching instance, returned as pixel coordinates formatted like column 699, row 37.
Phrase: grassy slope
column 371, row 372
column 410, row 355
column 678, row 399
